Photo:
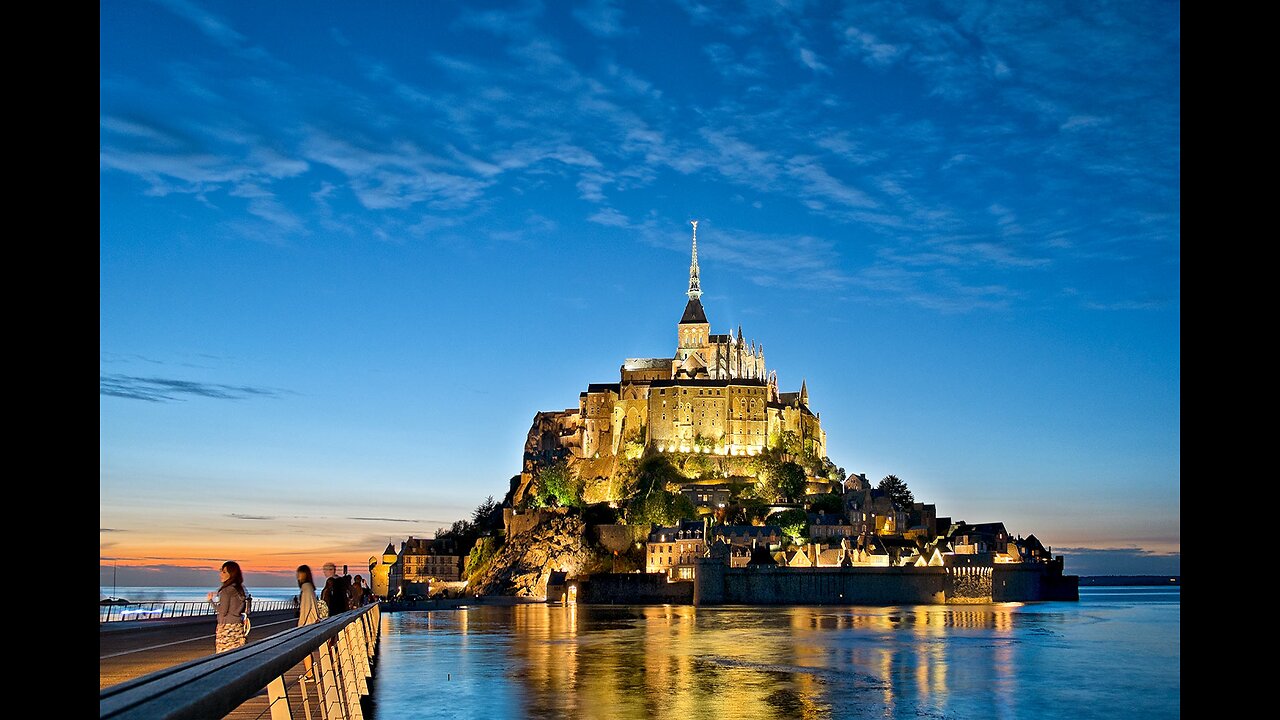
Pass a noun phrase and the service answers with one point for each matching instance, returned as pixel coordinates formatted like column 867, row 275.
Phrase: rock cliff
column 522, row 565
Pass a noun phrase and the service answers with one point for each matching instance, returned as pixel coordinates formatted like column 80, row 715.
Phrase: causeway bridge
column 165, row 668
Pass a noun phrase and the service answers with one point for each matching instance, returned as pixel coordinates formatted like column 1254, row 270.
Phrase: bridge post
column 361, row 642
column 278, row 699
column 308, row 674
column 346, row 663
column 362, row 686
column 370, row 631
column 331, row 698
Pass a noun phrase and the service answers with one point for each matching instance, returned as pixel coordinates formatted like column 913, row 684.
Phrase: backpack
column 338, row 589
column 322, row 609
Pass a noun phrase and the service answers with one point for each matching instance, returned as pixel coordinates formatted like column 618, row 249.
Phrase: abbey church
column 714, row 395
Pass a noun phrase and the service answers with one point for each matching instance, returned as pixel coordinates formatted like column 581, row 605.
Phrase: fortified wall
column 964, row 579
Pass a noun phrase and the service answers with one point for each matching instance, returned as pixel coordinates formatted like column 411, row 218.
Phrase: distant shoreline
column 1117, row 580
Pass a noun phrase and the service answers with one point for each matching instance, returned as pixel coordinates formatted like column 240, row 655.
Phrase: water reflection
column 988, row 661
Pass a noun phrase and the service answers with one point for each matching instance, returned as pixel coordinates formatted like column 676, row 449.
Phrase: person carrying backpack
column 336, row 590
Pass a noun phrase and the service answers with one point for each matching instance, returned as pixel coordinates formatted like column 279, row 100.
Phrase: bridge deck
column 204, row 684
column 127, row 654
column 141, row 648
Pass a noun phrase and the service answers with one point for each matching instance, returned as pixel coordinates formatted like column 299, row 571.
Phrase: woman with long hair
column 308, row 611
column 232, row 604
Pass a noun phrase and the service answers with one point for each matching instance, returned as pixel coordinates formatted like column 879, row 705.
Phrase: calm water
column 1115, row 654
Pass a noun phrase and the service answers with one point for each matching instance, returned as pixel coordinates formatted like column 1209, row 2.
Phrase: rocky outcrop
column 522, row 565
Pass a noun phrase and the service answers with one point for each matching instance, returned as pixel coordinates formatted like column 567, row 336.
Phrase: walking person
column 308, row 606
column 356, row 594
column 310, row 610
column 232, row 605
column 334, row 594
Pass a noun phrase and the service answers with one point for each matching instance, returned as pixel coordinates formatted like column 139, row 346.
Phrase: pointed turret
column 804, row 393
column 693, row 328
column 695, row 286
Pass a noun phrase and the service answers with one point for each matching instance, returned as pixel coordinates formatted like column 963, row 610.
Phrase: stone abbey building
column 713, row 395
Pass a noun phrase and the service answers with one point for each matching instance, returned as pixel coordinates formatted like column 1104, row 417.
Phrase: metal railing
column 164, row 610
column 336, row 654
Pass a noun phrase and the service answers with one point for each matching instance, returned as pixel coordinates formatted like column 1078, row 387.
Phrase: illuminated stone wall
column 730, row 420
column 714, row 395
column 770, row 585
column 633, row 589
column 970, row 584
column 964, row 580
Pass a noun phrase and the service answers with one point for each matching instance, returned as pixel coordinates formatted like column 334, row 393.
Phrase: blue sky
column 347, row 253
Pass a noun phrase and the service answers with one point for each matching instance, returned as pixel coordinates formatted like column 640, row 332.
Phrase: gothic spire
column 695, row 288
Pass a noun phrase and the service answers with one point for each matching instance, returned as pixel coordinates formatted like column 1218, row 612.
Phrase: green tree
column 557, row 483
column 659, row 507
column 794, row 522
column 831, row 471
column 897, row 490
column 746, row 510
column 654, row 499
column 484, row 512
column 790, row 480
column 657, row 473
column 789, row 442
column 766, row 489
column 765, row 468
column 830, row 503
column 480, row 556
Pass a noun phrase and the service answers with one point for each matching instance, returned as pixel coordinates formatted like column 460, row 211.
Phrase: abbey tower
column 713, row 396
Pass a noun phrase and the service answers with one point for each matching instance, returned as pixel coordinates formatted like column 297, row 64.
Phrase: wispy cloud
column 208, row 23
column 610, row 217
column 157, row 389
column 243, row 516
column 517, row 21
column 817, row 182
column 383, row 519
column 867, row 46
column 1040, row 114
column 383, row 180
column 601, row 17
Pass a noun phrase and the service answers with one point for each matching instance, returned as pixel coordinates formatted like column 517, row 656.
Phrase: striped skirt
column 229, row 637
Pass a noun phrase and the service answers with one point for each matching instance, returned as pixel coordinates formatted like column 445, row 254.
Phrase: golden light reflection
column 673, row 661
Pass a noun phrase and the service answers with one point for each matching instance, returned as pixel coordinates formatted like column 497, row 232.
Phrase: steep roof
column 990, row 528
column 1033, row 543
column 745, row 531
column 830, row 557
column 797, row 558
column 833, row 519
column 646, row 363
column 693, row 312
column 685, row 530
